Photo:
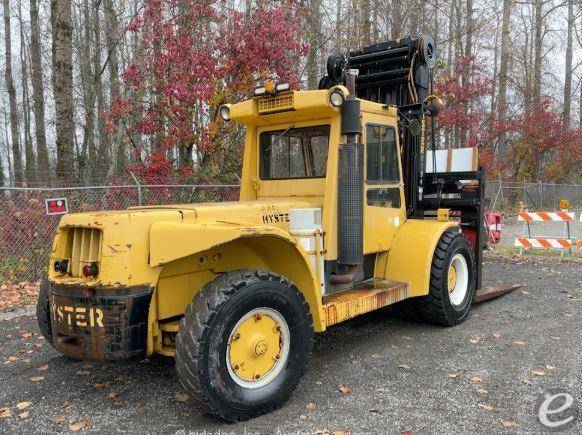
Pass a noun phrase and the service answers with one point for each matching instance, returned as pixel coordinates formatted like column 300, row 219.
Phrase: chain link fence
column 27, row 231
column 506, row 195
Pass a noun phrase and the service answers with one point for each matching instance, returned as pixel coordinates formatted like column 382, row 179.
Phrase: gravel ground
column 402, row 375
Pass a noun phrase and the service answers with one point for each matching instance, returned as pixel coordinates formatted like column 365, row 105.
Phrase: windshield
column 294, row 153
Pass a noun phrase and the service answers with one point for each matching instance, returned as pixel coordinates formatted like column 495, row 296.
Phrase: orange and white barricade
column 527, row 241
column 493, row 222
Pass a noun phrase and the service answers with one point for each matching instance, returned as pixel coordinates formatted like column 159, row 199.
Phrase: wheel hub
column 452, row 280
column 255, row 346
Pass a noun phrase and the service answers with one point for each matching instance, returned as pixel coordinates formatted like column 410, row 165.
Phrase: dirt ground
column 487, row 375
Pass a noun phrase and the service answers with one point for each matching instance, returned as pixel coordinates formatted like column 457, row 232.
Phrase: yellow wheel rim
column 452, row 277
column 258, row 347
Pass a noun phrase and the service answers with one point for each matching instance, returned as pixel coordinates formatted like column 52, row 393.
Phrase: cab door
column 384, row 209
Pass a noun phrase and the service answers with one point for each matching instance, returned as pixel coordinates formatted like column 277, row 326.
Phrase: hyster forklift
column 345, row 208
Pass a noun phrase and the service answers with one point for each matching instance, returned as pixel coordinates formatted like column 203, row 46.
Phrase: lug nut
column 257, row 376
column 258, row 317
column 236, row 366
column 236, row 337
column 277, row 328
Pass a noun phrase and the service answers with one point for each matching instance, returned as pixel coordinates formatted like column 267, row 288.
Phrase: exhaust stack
column 350, row 190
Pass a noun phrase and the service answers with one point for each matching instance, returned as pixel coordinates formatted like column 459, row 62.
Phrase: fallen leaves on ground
column 508, row 424
column 42, row 368
column 482, row 391
column 404, row 366
column 311, row 406
column 318, row 382
column 75, row 427
column 23, row 405
column 519, row 342
column 340, row 432
column 486, row 406
column 23, row 415
column 475, row 340
column 526, row 381
column 497, row 334
column 5, row 412
column 343, row 389
column 550, row 367
column 58, row 419
column 37, row 378
column 453, row 375
column 182, row 397
column 476, row 379
column 302, row 417
column 23, row 294
column 538, row 372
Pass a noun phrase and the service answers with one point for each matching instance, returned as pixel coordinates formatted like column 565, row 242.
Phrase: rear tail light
column 61, row 266
column 90, row 270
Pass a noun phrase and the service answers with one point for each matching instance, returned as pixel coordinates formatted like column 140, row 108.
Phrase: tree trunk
column 338, row 26
column 396, row 19
column 111, row 37
column 30, row 168
column 538, row 45
column 493, row 103
column 62, row 78
column 14, row 123
column 503, row 69
column 104, row 144
column 314, row 29
column 365, row 23
column 568, row 73
column 88, row 157
column 1, row 172
column 43, row 167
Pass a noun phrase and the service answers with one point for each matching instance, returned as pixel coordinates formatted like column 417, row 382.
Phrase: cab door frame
column 381, row 222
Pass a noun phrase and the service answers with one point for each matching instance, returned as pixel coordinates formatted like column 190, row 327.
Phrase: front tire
column 452, row 282
column 244, row 344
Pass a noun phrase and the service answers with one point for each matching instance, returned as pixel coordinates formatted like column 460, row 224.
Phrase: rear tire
column 452, row 282
column 43, row 317
column 205, row 358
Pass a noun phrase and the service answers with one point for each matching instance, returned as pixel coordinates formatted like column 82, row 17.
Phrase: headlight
column 336, row 98
column 225, row 112
column 260, row 90
column 283, row 87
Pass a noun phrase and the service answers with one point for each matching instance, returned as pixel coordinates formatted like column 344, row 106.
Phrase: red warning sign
column 56, row 206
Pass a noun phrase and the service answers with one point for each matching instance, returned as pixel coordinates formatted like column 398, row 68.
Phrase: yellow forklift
column 344, row 208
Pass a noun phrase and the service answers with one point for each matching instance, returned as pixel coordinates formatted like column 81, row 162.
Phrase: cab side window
column 382, row 166
column 381, row 155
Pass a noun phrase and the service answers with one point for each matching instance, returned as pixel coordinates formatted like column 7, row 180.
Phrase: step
column 364, row 297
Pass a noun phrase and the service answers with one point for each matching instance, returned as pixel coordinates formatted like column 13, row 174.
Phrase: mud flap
column 100, row 324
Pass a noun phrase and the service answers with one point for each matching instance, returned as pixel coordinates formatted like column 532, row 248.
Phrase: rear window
column 294, row 153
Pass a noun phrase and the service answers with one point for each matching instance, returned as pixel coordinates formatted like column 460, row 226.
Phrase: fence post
column 139, row 199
